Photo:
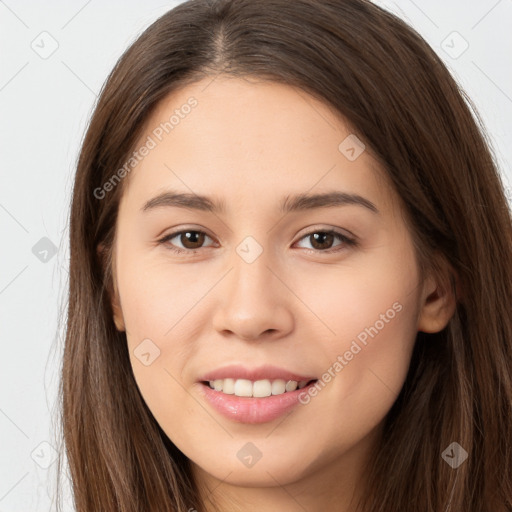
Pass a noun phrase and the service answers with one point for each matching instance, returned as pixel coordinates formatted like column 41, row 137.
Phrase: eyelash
column 347, row 241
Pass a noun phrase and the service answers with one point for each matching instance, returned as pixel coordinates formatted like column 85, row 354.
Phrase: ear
column 112, row 290
column 438, row 300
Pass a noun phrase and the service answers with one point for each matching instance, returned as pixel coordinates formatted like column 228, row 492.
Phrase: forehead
column 244, row 138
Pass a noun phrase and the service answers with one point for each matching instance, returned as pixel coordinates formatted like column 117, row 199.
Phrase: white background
column 44, row 108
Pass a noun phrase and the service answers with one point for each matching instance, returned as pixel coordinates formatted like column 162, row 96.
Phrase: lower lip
column 249, row 409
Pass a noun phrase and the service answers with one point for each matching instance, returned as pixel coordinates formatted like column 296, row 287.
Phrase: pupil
column 322, row 237
column 191, row 237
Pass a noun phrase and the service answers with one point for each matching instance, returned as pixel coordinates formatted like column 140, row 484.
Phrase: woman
column 215, row 362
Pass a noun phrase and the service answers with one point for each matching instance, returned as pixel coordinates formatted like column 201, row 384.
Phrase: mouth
column 254, row 394
column 256, row 389
column 254, row 402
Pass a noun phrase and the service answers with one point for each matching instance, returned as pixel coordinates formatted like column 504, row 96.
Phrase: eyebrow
column 298, row 202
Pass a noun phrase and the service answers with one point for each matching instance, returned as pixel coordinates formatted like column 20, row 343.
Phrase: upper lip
column 259, row 373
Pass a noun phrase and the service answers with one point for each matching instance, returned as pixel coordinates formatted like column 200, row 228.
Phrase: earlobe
column 438, row 304
column 118, row 314
column 112, row 291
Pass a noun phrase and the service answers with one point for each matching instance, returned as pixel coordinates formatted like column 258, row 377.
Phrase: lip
column 249, row 409
column 269, row 372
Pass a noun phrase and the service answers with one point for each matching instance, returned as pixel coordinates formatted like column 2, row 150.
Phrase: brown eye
column 323, row 240
column 191, row 240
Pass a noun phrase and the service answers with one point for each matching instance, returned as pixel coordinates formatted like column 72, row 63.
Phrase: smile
column 257, row 389
column 248, row 407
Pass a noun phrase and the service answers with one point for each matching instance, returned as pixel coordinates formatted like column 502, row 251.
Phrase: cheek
column 158, row 297
column 158, row 301
column 366, row 360
column 373, row 358
column 362, row 300
column 368, row 316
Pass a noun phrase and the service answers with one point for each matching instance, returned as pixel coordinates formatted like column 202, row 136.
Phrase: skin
column 250, row 143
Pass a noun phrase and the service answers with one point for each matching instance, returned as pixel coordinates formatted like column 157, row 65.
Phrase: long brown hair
column 393, row 89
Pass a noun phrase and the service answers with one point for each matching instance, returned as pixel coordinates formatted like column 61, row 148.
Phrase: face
column 275, row 286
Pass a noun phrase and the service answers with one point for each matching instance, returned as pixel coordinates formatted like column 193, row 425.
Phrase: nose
column 254, row 302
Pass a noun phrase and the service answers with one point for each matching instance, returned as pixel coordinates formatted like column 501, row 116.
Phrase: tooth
column 262, row 388
column 229, row 386
column 291, row 385
column 278, row 387
column 243, row 387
